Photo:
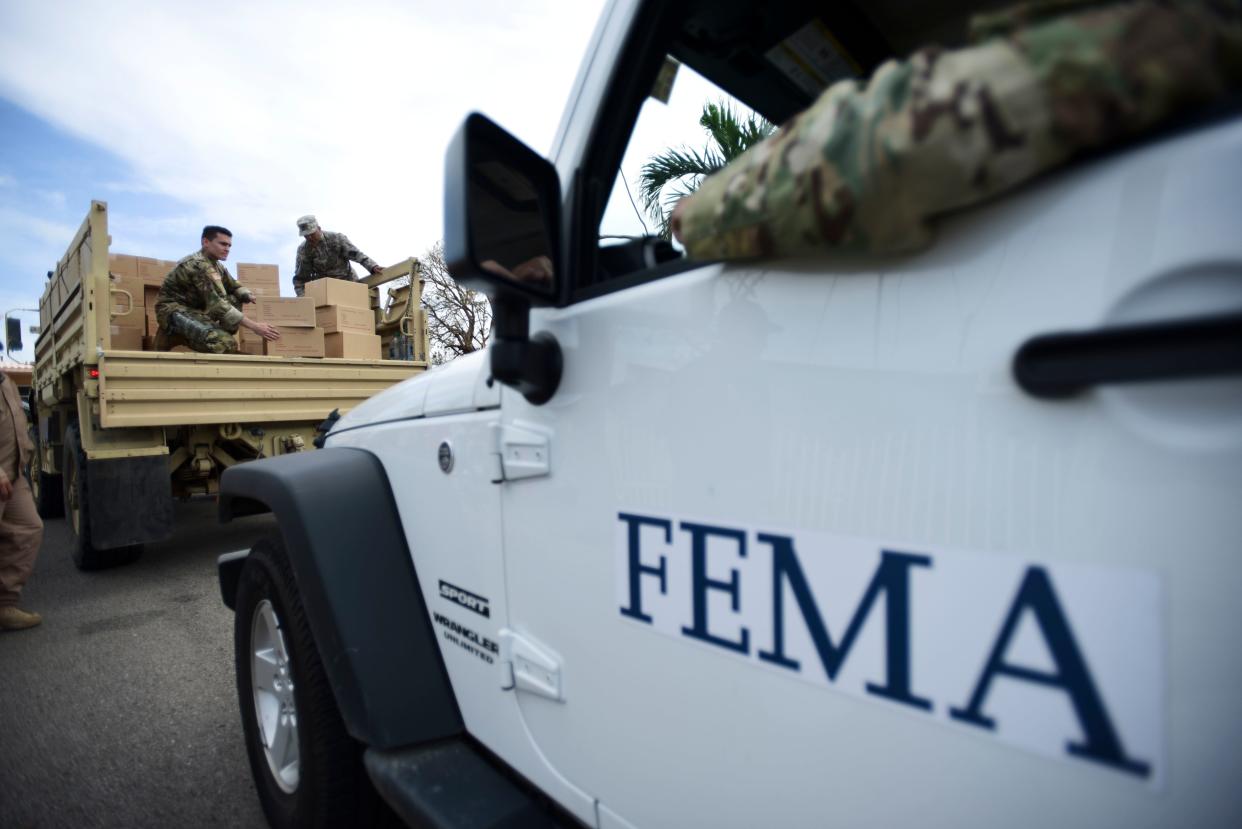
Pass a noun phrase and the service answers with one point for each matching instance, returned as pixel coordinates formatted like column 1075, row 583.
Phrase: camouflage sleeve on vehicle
column 351, row 252
column 864, row 169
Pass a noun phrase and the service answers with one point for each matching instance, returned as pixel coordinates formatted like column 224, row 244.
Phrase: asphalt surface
column 121, row 708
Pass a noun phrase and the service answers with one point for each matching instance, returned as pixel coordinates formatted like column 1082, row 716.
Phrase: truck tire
column 76, row 508
column 49, row 497
column 307, row 769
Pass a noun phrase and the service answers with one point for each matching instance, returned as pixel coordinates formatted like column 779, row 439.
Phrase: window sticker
column 662, row 89
column 813, row 59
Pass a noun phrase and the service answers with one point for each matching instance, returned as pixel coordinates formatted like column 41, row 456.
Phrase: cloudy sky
column 249, row 114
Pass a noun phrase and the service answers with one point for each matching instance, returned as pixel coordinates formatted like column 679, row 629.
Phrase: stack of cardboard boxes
column 136, row 282
column 334, row 319
column 264, row 282
column 343, row 312
column 294, row 317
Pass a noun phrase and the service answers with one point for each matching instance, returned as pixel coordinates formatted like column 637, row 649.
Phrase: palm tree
column 682, row 170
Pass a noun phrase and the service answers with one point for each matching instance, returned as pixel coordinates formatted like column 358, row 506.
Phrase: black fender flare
column 357, row 580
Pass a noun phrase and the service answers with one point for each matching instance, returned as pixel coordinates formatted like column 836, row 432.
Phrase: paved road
column 121, row 710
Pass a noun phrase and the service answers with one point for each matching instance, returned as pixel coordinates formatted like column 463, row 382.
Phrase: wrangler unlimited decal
column 467, row 639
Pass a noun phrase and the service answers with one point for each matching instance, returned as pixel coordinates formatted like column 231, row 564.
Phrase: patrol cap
column 307, row 225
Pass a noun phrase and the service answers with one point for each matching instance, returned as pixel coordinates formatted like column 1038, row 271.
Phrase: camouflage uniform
column 864, row 169
column 200, row 302
column 330, row 257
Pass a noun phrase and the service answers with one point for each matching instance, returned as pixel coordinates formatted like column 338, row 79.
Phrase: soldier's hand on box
column 6, row 488
column 378, row 269
column 268, row 332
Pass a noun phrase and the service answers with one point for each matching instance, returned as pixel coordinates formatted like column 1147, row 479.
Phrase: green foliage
column 677, row 172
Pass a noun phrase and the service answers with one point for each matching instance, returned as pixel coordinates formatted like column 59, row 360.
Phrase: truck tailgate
column 144, row 388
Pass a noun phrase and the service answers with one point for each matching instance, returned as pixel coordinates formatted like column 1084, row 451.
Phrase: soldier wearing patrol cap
column 866, row 167
column 200, row 303
column 326, row 254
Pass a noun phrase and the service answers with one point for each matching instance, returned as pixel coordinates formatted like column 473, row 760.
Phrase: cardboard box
column 127, row 311
column 126, row 339
column 339, row 292
column 248, row 342
column 262, row 280
column 353, row 345
column 247, row 272
column 298, row 311
column 150, row 295
column 122, row 264
column 334, row 318
column 153, row 324
column 296, row 342
column 262, row 290
column 153, row 271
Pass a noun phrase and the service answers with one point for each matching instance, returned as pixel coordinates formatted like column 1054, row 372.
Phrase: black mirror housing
column 502, row 219
column 502, row 215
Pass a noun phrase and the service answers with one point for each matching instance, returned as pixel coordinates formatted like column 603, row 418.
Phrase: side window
column 692, row 129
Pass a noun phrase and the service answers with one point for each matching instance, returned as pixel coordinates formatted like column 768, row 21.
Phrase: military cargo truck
column 120, row 433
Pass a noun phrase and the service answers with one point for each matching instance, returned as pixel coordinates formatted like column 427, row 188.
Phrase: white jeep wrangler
column 950, row 539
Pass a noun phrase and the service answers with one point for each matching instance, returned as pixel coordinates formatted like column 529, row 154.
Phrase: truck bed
column 150, row 388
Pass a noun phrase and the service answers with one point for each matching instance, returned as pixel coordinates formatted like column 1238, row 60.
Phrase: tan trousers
column 21, row 532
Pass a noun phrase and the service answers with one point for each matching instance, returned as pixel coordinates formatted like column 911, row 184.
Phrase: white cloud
column 52, row 198
column 22, row 225
column 252, row 114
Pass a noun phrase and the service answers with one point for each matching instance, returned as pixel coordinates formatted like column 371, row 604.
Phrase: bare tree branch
column 459, row 320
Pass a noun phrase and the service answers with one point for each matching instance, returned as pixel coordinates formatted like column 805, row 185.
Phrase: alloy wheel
column 271, row 681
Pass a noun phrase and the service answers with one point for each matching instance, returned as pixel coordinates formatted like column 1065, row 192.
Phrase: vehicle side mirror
column 502, row 219
column 12, row 334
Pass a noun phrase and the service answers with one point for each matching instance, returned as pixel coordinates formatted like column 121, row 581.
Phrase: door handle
column 1062, row 364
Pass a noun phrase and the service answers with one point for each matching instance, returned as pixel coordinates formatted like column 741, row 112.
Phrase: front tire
column 77, row 512
column 307, row 769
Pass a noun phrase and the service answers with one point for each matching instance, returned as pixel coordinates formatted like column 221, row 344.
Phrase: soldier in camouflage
column 864, row 169
column 200, row 303
column 326, row 254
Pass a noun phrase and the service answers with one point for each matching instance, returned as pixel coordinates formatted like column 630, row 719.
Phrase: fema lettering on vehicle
column 1065, row 660
column 468, row 600
column 467, row 639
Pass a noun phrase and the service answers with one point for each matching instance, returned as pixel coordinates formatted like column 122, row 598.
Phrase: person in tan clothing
column 21, row 529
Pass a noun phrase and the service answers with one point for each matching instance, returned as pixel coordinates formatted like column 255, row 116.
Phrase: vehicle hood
column 452, row 388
